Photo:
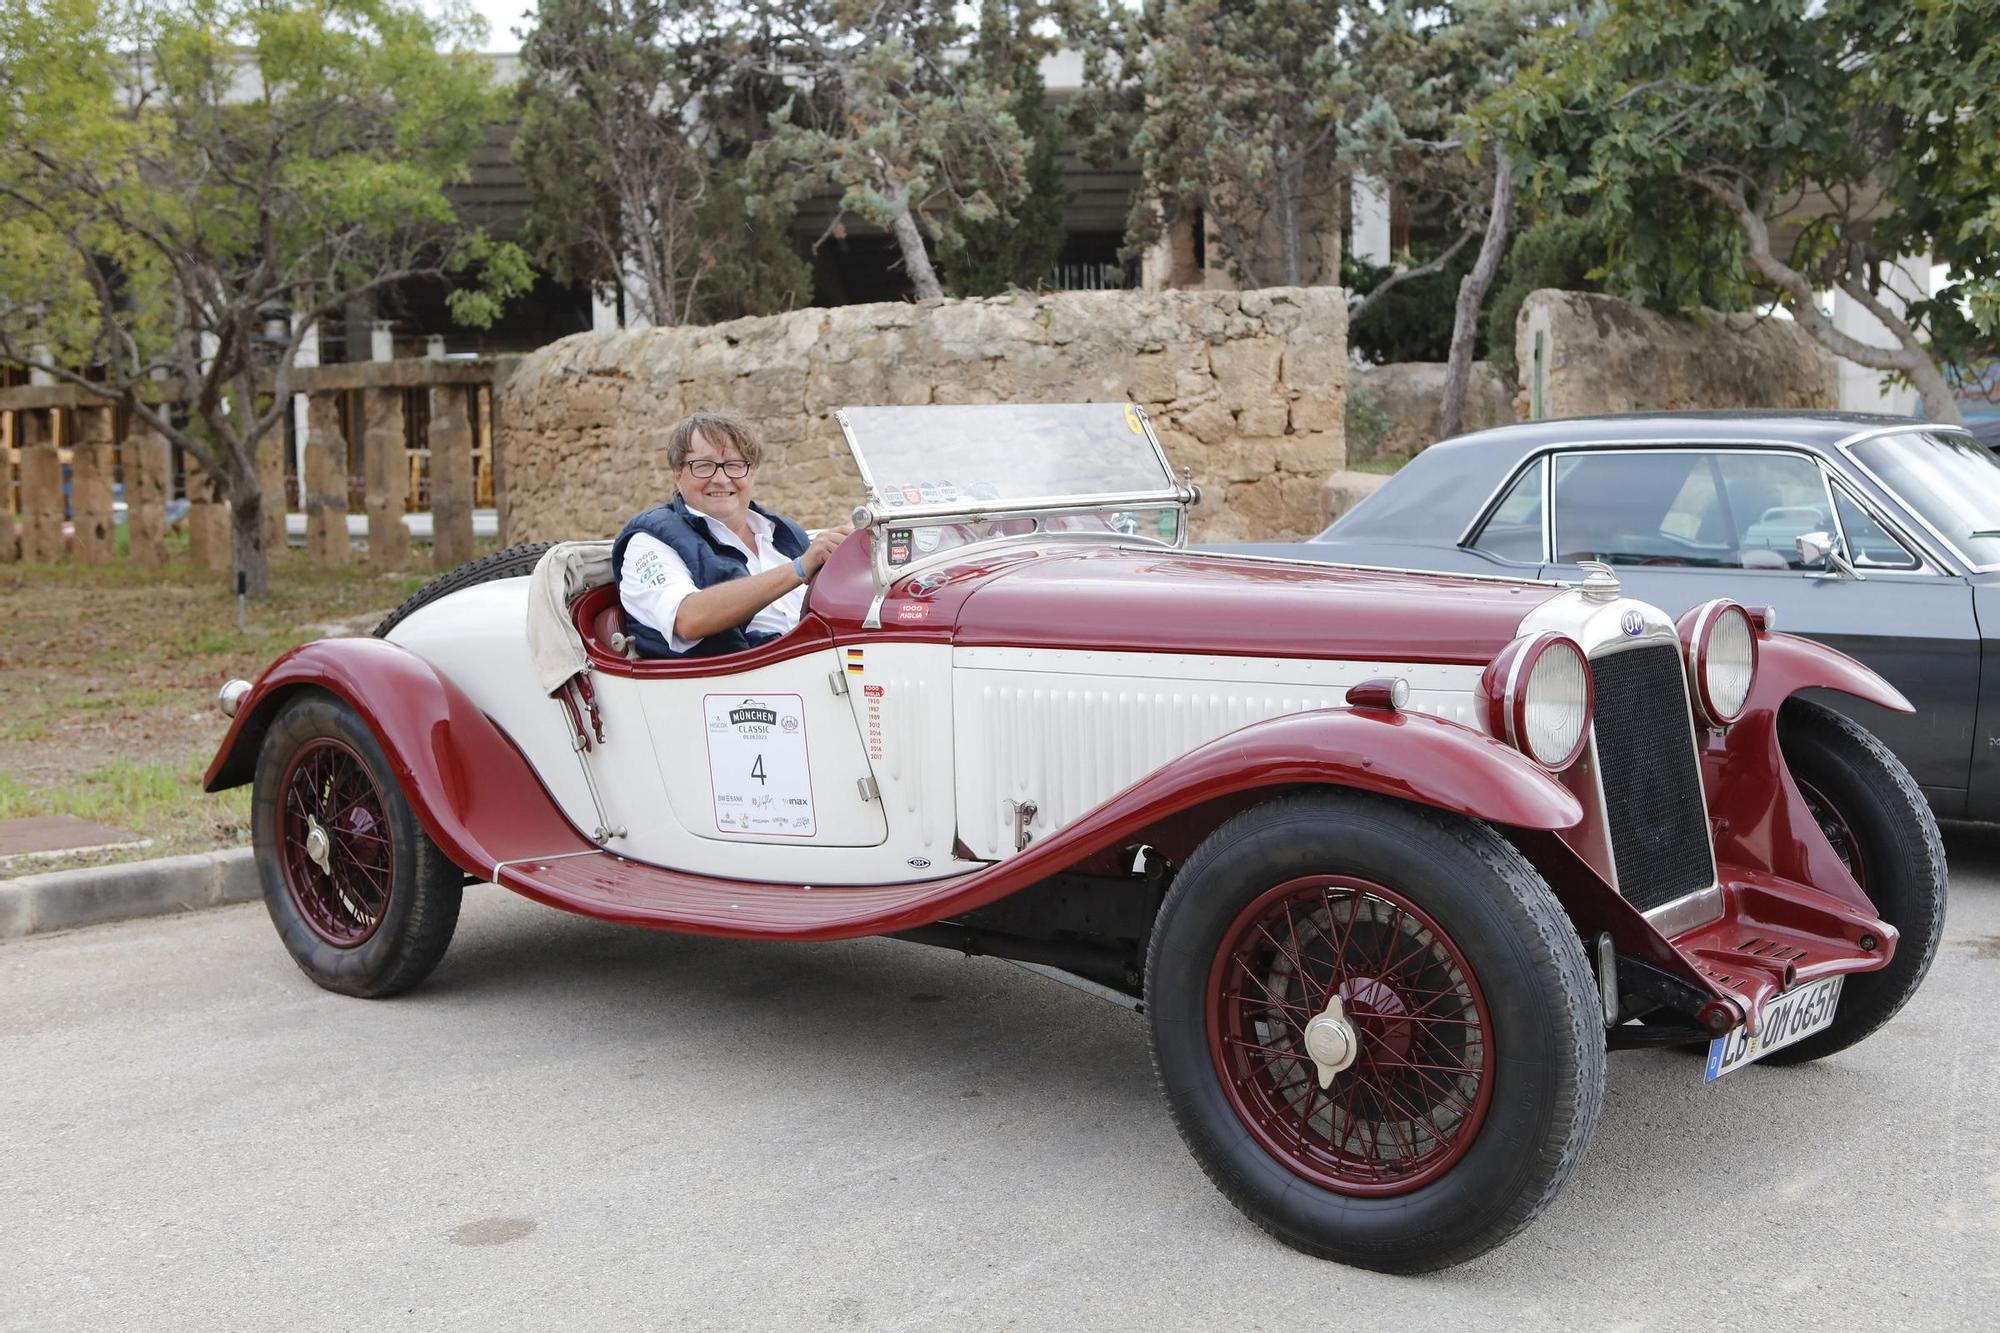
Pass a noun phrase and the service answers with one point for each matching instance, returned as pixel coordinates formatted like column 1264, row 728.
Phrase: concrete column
column 1370, row 208
column 148, row 470
column 325, row 481
column 90, row 485
column 386, row 457
column 208, row 534
column 1861, row 389
column 41, row 487
column 451, row 477
column 271, row 480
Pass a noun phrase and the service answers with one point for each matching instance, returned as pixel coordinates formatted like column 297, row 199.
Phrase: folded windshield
column 1948, row 479
column 1021, row 456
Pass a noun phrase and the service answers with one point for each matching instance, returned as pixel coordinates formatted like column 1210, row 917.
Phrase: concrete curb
column 66, row 899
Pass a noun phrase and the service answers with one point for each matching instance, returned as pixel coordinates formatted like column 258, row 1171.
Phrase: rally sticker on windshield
column 758, row 766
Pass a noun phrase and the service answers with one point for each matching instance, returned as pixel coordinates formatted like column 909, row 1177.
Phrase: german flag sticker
column 854, row 661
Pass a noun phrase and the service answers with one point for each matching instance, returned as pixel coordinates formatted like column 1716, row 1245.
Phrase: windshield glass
column 1949, row 480
column 1020, row 455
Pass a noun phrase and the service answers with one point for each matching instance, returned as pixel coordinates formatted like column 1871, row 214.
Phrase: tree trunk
column 915, row 260
column 246, row 523
column 1472, row 291
column 1289, row 190
column 1940, row 403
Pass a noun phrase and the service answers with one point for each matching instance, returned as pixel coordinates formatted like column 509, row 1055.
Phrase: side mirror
column 1822, row 550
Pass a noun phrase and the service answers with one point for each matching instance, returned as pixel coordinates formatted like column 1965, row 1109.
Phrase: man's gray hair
column 721, row 428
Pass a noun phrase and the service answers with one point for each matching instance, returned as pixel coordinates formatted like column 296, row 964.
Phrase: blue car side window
column 1868, row 542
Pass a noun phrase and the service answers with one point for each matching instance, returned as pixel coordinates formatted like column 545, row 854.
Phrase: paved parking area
column 576, row 1124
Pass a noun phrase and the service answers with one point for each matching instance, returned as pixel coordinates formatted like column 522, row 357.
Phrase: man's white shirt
column 654, row 580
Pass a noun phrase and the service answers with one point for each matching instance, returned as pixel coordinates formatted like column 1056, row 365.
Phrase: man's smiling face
column 721, row 497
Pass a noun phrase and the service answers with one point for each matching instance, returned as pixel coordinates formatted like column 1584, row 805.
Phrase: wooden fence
column 380, row 438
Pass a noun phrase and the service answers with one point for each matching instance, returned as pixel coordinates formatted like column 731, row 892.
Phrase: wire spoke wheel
column 1414, row 1097
column 336, row 850
column 1846, row 843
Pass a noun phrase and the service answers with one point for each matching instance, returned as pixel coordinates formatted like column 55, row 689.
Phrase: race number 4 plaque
column 757, row 764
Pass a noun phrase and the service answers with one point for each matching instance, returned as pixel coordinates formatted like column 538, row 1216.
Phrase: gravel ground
column 575, row 1122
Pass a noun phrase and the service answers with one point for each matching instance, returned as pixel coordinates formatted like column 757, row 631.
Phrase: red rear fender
column 469, row 787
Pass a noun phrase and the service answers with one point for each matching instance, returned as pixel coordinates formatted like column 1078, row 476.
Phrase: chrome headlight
column 1720, row 644
column 1538, row 694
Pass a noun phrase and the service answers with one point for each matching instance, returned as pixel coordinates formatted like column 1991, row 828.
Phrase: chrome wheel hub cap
column 319, row 848
column 1331, row 1041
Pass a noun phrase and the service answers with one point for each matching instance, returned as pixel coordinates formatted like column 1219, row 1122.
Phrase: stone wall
column 1245, row 388
column 1394, row 407
column 1600, row 354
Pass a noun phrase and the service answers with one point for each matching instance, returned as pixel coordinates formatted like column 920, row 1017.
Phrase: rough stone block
column 91, row 468
column 209, row 542
column 386, row 477
column 451, row 477
column 1341, row 491
column 1246, row 370
column 326, row 482
column 147, row 474
column 41, row 488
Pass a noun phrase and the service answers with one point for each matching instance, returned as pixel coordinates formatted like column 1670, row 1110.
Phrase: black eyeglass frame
column 736, row 469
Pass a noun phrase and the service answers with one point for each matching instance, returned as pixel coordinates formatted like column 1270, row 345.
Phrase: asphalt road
column 577, row 1125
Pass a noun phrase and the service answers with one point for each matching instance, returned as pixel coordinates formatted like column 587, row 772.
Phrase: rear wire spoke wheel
column 336, row 851
column 1417, row 963
column 362, row 898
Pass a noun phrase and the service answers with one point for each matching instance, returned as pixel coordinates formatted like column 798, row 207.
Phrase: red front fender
column 1754, row 807
column 469, row 787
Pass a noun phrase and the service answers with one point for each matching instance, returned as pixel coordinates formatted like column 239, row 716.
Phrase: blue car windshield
column 1949, row 480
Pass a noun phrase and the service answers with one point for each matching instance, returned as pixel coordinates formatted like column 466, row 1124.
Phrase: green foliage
column 637, row 118
column 1253, row 111
column 178, row 180
column 988, row 257
column 1797, row 146
column 1562, row 253
column 1412, row 321
column 919, row 142
column 1366, row 427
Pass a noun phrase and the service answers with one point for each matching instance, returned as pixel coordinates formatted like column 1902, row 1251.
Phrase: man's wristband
column 798, row 567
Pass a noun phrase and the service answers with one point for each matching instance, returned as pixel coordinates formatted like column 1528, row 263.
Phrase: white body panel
column 1069, row 730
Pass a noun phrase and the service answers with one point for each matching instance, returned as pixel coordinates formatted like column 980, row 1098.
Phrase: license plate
column 1789, row 1018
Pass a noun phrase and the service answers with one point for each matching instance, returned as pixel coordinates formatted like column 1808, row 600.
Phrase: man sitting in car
column 710, row 571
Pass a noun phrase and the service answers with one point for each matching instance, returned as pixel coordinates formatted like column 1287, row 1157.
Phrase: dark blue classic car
column 1877, row 535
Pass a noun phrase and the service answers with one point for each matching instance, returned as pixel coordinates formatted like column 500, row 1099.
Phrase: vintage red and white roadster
column 1390, row 860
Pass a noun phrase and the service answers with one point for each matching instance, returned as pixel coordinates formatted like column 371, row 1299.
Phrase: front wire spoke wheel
column 1414, row 1098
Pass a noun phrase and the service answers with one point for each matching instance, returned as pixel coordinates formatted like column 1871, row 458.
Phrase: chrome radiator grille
column 1652, row 784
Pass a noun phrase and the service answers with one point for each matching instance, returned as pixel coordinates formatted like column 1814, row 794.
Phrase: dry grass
column 107, row 688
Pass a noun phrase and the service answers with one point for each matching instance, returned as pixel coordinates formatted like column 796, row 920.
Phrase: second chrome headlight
column 1720, row 644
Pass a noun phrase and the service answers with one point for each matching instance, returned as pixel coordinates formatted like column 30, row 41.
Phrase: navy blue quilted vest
column 709, row 560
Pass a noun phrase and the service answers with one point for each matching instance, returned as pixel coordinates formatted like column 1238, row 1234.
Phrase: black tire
column 512, row 563
column 351, row 950
column 1548, row 1062
column 1903, row 872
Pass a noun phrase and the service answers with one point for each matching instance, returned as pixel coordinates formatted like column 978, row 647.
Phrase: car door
column 1683, row 525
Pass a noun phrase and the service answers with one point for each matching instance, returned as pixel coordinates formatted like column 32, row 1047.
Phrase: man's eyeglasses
column 704, row 468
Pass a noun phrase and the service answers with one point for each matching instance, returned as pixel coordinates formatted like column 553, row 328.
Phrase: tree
column 1825, row 140
column 916, row 140
column 1238, row 107
column 986, row 257
column 637, row 117
column 188, row 189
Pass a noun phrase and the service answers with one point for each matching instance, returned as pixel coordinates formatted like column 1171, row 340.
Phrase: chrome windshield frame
column 874, row 515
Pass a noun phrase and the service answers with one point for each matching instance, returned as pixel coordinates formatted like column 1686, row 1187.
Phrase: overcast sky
column 502, row 17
